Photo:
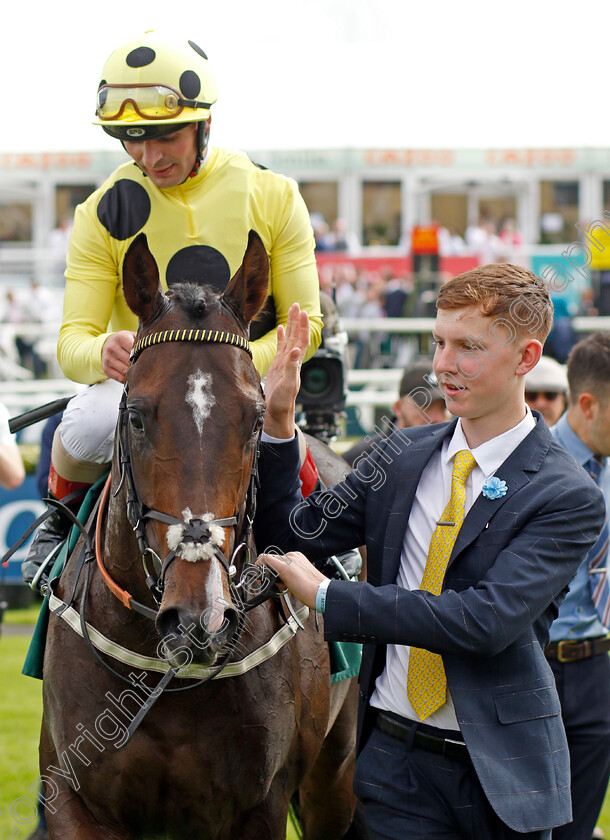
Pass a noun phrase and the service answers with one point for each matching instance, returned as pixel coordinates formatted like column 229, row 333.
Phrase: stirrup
column 345, row 566
column 40, row 581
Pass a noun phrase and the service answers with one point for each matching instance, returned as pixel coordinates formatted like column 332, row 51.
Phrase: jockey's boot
column 51, row 533
column 45, row 547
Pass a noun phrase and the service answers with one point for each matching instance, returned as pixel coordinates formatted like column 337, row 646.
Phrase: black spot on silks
column 199, row 264
column 124, row 209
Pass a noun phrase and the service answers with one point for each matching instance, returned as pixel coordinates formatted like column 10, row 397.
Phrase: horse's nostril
column 168, row 622
column 229, row 625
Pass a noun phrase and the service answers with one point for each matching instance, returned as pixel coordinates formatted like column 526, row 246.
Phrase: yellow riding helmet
column 151, row 85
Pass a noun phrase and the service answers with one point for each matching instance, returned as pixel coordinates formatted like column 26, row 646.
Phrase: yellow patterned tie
column 426, row 682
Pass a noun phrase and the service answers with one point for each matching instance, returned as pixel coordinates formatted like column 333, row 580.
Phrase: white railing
column 424, row 326
column 20, row 264
column 22, row 395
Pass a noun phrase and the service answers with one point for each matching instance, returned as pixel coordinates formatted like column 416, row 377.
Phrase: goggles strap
column 192, row 103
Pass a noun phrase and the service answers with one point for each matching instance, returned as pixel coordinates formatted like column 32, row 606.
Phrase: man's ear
column 530, row 356
column 588, row 404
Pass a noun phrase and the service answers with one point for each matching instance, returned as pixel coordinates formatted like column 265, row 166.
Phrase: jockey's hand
column 115, row 354
column 297, row 573
column 284, row 376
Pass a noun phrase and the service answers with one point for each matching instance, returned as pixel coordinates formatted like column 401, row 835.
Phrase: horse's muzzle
column 187, row 636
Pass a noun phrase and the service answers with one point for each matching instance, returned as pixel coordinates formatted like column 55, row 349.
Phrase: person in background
column 12, row 471
column 546, row 389
column 420, row 402
column 578, row 652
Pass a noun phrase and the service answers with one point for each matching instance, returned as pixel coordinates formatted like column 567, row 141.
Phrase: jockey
column 196, row 204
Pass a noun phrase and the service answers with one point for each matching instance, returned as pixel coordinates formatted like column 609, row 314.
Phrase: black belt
column 424, row 741
column 569, row 651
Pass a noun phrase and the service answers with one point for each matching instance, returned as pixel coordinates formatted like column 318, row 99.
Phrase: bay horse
column 175, row 704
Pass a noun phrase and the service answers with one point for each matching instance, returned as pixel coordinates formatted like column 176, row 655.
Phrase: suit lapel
column 416, row 456
column 526, row 458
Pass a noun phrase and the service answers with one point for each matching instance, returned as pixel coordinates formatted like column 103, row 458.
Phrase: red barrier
column 399, row 266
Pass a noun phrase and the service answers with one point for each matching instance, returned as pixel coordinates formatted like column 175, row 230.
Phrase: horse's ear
column 248, row 288
column 141, row 285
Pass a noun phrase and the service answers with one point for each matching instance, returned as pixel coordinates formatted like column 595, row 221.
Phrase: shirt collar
column 492, row 453
column 567, row 437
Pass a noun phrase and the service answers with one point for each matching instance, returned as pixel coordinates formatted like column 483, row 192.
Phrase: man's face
column 409, row 413
column 551, row 404
column 476, row 364
column 167, row 160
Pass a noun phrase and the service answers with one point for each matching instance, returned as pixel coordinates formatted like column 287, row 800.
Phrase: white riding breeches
column 89, row 422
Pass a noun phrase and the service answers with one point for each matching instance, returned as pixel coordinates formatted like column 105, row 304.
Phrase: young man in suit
column 460, row 733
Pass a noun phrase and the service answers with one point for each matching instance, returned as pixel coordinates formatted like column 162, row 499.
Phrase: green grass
column 26, row 615
column 20, row 713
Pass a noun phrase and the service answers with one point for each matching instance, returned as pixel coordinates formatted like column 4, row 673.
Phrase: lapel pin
column 494, row 488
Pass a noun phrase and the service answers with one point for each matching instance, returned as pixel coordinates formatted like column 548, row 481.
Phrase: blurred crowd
column 34, row 304
column 391, row 288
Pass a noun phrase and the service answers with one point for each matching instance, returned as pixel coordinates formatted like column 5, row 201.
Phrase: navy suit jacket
column 510, row 567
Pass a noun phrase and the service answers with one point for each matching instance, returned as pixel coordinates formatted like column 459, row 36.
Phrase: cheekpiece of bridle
column 195, row 530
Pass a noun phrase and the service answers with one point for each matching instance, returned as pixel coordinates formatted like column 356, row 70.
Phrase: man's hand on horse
column 115, row 354
column 284, row 376
column 299, row 575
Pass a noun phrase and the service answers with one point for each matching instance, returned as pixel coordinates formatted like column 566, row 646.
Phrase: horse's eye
column 258, row 424
column 135, row 420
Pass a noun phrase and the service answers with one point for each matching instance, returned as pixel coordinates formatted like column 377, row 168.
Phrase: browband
column 213, row 336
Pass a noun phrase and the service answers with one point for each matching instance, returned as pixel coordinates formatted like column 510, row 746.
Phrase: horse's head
column 191, row 418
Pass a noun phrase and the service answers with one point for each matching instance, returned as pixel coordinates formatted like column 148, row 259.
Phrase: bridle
column 194, row 530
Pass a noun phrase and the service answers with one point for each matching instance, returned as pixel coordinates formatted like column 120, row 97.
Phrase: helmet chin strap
column 203, row 137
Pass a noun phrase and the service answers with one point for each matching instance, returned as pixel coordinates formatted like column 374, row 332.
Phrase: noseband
column 194, row 530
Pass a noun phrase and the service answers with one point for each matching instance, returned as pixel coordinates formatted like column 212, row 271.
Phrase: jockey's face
column 167, row 160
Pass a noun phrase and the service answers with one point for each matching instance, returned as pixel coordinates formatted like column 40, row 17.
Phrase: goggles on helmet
column 149, row 101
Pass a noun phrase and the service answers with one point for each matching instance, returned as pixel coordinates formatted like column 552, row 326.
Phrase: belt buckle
column 455, row 750
column 455, row 746
column 561, row 657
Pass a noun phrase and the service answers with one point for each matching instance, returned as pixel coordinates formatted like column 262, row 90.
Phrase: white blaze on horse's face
column 193, row 551
column 200, row 397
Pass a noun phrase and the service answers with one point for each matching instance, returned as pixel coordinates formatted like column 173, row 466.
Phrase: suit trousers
column 584, row 693
column 411, row 793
